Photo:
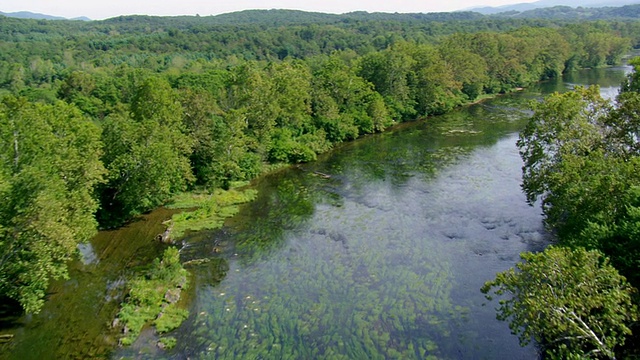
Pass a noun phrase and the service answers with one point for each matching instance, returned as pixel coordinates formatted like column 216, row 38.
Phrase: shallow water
column 382, row 258
column 75, row 320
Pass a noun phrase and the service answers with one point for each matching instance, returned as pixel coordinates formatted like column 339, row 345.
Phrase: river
column 375, row 251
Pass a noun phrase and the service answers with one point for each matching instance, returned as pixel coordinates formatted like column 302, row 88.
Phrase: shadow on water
column 608, row 79
column 75, row 320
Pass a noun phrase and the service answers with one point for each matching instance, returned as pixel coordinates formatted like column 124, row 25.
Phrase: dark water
column 376, row 251
column 75, row 320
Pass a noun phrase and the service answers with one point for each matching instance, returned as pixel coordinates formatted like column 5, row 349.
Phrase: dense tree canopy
column 146, row 152
column 573, row 302
column 581, row 157
column 49, row 168
column 115, row 117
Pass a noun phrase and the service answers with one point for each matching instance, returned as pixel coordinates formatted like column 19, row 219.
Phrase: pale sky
column 102, row 9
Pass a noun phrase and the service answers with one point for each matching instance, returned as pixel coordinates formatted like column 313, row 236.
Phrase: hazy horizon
column 103, row 10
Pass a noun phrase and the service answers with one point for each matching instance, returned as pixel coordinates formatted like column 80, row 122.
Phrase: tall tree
column 146, row 153
column 49, row 167
column 573, row 302
column 389, row 72
column 561, row 146
column 468, row 68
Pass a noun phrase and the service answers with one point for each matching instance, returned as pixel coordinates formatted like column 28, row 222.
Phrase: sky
column 102, row 9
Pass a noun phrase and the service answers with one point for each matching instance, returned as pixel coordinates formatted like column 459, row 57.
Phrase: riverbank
column 76, row 319
column 293, row 230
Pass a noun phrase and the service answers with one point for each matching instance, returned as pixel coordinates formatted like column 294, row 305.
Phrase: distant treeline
column 102, row 121
column 251, row 35
column 577, row 14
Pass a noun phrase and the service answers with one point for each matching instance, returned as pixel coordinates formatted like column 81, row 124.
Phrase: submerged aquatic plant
column 209, row 210
column 167, row 342
column 154, row 296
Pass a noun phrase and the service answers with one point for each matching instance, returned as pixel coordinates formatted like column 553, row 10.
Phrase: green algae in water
column 210, row 212
column 75, row 322
column 334, row 289
column 168, row 342
column 154, row 297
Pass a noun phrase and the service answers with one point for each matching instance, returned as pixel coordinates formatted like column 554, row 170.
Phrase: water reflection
column 75, row 322
column 608, row 79
column 377, row 250
column 87, row 255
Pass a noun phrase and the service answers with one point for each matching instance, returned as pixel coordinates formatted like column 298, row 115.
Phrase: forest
column 102, row 121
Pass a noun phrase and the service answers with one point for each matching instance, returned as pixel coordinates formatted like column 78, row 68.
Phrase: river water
column 375, row 251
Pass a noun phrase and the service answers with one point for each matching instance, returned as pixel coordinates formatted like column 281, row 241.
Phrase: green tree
column 146, row 153
column 292, row 94
column 251, row 91
column 562, row 145
column 77, row 89
column 571, row 301
column 49, row 168
column 200, row 114
column 618, row 237
column 543, row 51
column 624, row 121
column 231, row 155
column 432, row 83
column 388, row 71
column 341, row 100
column 581, row 157
column 468, row 68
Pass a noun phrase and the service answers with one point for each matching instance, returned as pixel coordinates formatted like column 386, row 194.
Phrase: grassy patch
column 168, row 342
column 482, row 98
column 153, row 298
column 268, row 168
column 210, row 210
column 171, row 318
